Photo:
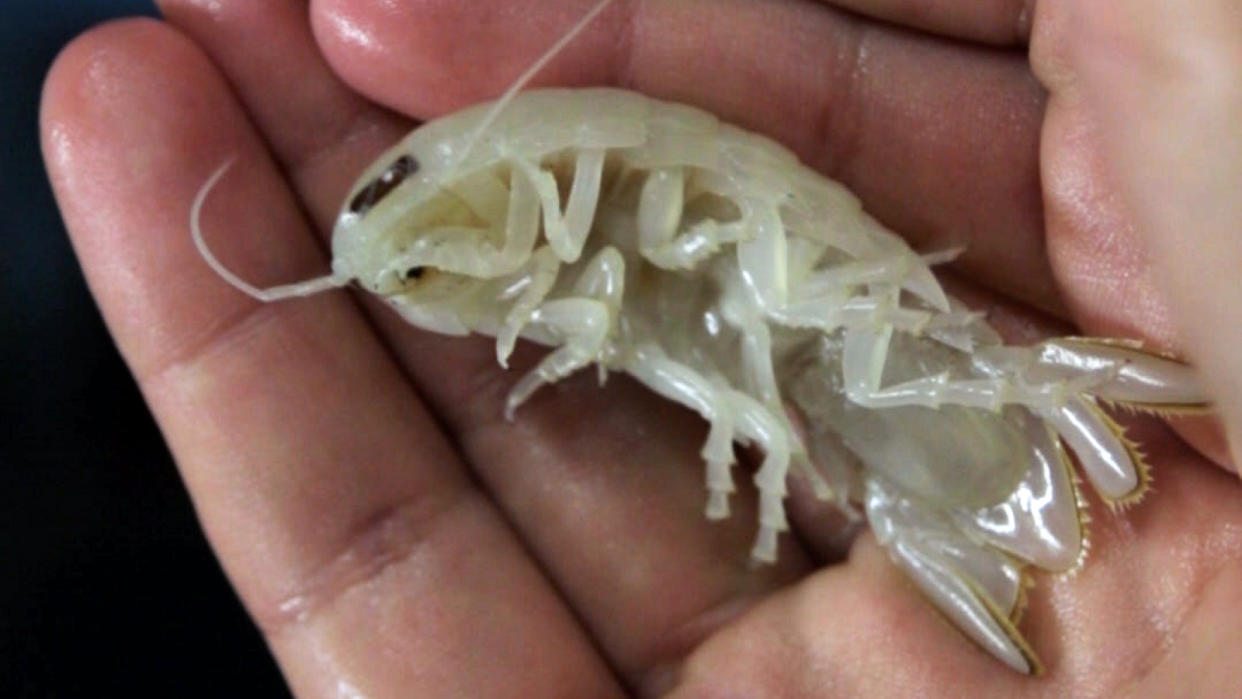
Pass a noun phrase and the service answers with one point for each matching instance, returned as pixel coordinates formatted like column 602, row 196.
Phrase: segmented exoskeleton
column 650, row 238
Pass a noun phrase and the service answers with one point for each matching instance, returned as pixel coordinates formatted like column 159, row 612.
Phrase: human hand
column 392, row 535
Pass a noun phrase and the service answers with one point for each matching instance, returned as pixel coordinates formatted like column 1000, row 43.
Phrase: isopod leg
column 684, row 385
column 899, row 268
column 1126, row 373
column 584, row 324
column 567, row 231
column 603, row 278
column 759, row 425
column 541, row 272
column 1044, row 378
column 661, row 210
column 729, row 411
column 584, row 321
column 757, row 360
column 866, row 352
column 583, row 200
column 763, row 258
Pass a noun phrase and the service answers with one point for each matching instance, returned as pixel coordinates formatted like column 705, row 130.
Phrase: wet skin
column 388, row 530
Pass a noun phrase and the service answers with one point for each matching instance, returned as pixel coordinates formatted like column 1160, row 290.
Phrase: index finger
column 941, row 141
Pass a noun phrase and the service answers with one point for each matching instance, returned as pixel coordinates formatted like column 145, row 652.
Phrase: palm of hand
column 386, row 527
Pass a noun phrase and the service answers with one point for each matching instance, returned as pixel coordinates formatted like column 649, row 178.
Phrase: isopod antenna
column 524, row 79
column 274, row 293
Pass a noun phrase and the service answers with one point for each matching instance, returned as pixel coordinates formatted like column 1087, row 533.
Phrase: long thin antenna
column 525, row 79
column 275, row 293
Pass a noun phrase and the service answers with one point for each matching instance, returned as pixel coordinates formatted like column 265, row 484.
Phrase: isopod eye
column 379, row 188
column 414, row 273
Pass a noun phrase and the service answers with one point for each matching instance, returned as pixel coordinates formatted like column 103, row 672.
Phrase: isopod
column 708, row 263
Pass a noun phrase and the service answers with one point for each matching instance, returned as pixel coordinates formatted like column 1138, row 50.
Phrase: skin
column 392, row 535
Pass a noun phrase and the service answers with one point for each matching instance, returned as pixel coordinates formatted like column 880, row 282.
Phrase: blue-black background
column 107, row 587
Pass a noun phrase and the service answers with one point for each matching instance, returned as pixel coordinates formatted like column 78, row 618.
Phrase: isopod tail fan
column 1136, row 379
column 274, row 293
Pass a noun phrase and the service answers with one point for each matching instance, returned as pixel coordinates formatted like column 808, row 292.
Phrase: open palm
column 392, row 535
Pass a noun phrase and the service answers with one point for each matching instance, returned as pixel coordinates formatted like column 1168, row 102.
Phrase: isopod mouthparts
column 651, row 238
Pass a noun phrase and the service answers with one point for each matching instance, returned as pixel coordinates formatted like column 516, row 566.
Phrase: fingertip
column 109, row 113
column 425, row 58
column 104, row 97
column 1207, row 436
column 405, row 62
column 135, row 117
column 83, row 77
column 1163, row 82
column 1150, row 47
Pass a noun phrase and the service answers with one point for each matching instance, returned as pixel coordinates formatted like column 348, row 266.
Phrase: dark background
column 107, row 586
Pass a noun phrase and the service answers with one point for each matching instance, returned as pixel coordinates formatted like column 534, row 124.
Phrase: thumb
column 1165, row 81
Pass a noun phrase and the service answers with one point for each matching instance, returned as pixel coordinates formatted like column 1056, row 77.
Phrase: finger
column 1166, row 86
column 605, row 486
column 338, row 510
column 321, row 132
column 1000, row 22
column 1104, row 270
column 1105, row 266
column 939, row 140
